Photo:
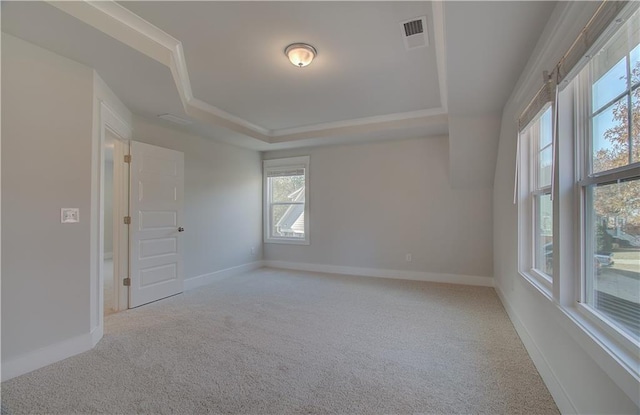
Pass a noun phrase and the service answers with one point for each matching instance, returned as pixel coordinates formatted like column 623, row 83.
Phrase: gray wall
column 222, row 198
column 586, row 388
column 46, row 165
column 371, row 204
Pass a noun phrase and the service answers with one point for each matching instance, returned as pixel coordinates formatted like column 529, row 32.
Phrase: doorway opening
column 107, row 264
column 115, row 236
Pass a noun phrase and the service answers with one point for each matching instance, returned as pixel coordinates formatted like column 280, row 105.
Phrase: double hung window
column 579, row 192
column 286, row 194
column 609, row 182
column 536, row 206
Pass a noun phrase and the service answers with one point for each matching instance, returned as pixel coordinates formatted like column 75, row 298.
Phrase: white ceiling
column 364, row 85
column 235, row 55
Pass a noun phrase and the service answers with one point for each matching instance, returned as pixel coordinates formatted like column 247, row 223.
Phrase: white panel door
column 157, row 190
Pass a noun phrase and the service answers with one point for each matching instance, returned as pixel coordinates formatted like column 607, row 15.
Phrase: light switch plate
column 69, row 215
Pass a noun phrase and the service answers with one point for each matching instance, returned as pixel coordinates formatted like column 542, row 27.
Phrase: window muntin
column 614, row 75
column 541, row 139
column 610, row 186
column 285, row 195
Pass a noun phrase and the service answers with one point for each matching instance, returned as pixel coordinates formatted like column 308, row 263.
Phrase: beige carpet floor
column 272, row 341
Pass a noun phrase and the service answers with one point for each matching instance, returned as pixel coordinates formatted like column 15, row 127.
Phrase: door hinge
column 127, row 158
column 126, row 282
column 127, row 220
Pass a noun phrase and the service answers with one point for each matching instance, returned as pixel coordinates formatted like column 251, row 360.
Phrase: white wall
column 371, row 204
column 577, row 382
column 223, row 198
column 46, row 165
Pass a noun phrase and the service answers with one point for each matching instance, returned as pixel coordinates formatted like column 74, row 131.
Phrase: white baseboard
column 559, row 394
column 211, row 277
column 96, row 334
column 45, row 356
column 384, row 273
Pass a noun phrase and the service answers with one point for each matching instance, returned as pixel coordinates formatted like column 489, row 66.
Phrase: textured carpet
column 274, row 341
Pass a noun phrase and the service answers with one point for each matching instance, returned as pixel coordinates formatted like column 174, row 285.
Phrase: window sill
column 539, row 283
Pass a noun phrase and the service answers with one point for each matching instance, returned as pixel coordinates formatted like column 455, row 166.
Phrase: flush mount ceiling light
column 300, row 54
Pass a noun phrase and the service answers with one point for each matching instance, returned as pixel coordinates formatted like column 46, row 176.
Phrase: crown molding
column 438, row 29
column 402, row 116
column 127, row 27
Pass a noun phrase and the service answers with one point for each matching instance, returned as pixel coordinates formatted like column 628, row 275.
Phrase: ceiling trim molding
column 127, row 27
column 437, row 9
column 403, row 116
column 380, row 125
column 558, row 28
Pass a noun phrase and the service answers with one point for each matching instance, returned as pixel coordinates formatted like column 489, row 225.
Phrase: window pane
column 287, row 188
column 610, row 145
column 546, row 128
column 610, row 84
column 613, row 260
column 635, row 61
column 635, row 127
column 287, row 220
column 544, row 234
column 544, row 170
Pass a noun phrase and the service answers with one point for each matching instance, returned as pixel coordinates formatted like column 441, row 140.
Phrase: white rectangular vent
column 413, row 27
column 414, row 33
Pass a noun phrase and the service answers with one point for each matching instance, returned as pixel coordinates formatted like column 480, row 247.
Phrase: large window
column 578, row 190
column 536, row 206
column 609, row 182
column 286, row 194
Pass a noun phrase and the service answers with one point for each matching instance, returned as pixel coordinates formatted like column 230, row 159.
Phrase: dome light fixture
column 300, row 54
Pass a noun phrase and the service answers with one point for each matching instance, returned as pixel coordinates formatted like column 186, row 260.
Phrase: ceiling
column 220, row 64
column 236, row 62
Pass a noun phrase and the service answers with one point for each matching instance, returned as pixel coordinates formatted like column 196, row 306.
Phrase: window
column 609, row 181
column 286, row 194
column 536, row 206
column 579, row 229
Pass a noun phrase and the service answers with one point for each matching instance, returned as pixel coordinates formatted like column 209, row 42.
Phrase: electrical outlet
column 408, row 257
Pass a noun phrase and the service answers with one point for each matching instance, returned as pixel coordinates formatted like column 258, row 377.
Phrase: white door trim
column 120, row 229
column 105, row 117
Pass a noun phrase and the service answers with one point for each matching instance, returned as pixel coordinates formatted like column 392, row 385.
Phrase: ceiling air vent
column 414, row 33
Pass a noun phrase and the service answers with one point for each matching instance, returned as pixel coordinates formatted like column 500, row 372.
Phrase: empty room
column 266, row 207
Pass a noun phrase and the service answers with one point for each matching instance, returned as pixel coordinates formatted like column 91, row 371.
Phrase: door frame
column 105, row 119
column 120, row 229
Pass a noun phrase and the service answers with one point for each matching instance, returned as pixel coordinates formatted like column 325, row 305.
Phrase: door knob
column 181, row 229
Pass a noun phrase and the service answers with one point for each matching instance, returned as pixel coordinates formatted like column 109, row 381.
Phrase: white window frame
column 616, row 353
column 279, row 165
column 613, row 351
column 584, row 180
column 529, row 191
